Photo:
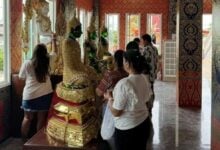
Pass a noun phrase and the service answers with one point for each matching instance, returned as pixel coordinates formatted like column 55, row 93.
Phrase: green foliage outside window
column 113, row 38
column 1, row 59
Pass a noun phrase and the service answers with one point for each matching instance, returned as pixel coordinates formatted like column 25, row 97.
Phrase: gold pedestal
column 72, row 135
column 72, row 116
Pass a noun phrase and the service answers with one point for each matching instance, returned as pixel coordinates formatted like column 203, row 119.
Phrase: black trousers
column 133, row 139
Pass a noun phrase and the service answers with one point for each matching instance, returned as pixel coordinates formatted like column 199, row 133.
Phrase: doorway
column 206, row 78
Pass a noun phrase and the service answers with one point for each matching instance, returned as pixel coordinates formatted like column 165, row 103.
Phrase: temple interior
column 186, row 34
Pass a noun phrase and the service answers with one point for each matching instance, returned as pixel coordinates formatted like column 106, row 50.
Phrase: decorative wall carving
column 65, row 10
column 70, row 6
column 15, row 34
column 190, row 52
column 43, row 20
column 172, row 14
column 172, row 17
column 41, row 9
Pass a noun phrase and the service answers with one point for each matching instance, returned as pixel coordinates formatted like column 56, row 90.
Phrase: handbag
column 108, row 126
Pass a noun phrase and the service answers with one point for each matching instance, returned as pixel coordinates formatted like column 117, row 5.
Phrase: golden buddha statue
column 105, row 58
column 90, row 48
column 109, row 62
column 103, row 43
column 72, row 117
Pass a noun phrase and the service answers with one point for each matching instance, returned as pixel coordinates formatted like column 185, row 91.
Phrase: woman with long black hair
column 128, row 104
column 37, row 92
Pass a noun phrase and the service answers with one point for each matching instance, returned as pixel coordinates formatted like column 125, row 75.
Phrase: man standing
column 150, row 53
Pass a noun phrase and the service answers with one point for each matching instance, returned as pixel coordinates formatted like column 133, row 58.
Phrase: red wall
column 136, row 6
column 207, row 6
column 143, row 7
column 85, row 4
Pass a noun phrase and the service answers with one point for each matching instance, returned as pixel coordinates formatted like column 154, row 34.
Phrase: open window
column 154, row 28
column 132, row 27
column 83, row 21
column 112, row 24
column 4, row 43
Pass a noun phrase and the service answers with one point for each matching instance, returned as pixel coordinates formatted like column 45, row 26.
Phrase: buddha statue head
column 74, row 27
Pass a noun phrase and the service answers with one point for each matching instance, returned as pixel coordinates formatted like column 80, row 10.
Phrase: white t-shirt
column 33, row 88
column 130, row 95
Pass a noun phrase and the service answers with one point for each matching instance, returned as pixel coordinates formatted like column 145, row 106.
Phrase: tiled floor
column 180, row 128
column 174, row 128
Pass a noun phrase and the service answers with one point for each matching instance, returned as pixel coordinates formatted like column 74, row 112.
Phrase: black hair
column 118, row 57
column 147, row 37
column 40, row 60
column 134, row 58
column 137, row 40
column 132, row 46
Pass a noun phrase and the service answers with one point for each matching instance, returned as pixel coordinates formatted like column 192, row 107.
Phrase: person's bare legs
column 41, row 119
column 25, row 127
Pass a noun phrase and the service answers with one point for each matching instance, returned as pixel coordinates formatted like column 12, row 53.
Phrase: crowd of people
column 131, row 100
column 127, row 90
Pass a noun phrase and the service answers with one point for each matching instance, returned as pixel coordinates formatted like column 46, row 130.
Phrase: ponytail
column 134, row 58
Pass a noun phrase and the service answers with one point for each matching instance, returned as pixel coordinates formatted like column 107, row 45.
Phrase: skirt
column 41, row 103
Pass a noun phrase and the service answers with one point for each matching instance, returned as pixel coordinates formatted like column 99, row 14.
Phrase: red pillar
column 189, row 48
column 15, row 34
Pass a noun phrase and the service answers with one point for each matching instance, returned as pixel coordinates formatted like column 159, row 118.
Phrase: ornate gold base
column 80, row 113
column 75, row 95
column 72, row 135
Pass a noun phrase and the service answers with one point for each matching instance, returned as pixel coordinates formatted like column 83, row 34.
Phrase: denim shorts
column 37, row 104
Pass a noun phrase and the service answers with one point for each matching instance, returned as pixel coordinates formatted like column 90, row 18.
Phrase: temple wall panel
column 189, row 47
column 172, row 17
